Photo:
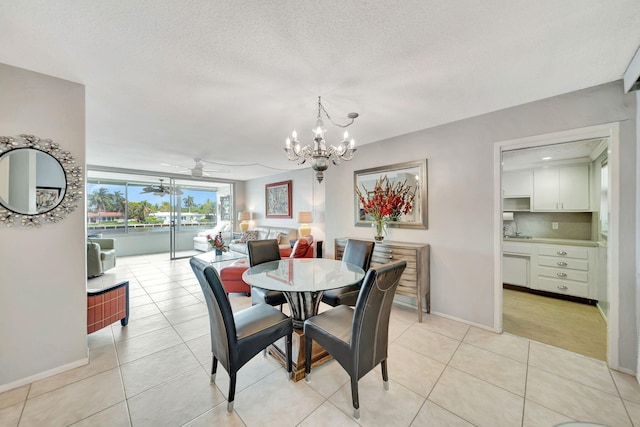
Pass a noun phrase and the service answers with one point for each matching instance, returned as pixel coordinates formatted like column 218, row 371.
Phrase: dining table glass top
column 303, row 275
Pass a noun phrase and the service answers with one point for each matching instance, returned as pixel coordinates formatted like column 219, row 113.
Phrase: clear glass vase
column 380, row 229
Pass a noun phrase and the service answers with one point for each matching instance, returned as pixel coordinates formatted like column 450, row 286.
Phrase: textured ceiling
column 167, row 81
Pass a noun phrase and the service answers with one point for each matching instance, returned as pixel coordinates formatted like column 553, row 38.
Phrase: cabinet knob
column 561, row 252
column 562, row 264
column 562, row 287
column 561, row 274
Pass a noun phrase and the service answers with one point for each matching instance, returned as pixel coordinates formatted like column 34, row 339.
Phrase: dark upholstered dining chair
column 261, row 251
column 358, row 337
column 356, row 252
column 237, row 338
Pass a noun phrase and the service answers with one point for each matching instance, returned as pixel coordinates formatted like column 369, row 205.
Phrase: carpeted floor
column 570, row 325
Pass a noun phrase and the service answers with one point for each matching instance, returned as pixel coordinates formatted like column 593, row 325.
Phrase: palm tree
column 189, row 202
column 144, row 207
column 119, row 202
column 209, row 209
column 99, row 200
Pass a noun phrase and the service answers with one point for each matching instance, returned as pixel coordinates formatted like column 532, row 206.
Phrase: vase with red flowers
column 386, row 203
column 217, row 243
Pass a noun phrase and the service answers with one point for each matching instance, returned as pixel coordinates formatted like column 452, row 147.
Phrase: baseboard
column 411, row 303
column 43, row 375
column 550, row 294
column 466, row 322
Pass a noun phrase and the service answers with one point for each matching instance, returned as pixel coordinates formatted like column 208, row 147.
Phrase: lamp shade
column 305, row 217
column 244, row 216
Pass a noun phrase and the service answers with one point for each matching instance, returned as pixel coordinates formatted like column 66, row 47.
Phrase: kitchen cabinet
column 564, row 188
column 559, row 268
column 517, row 183
column 515, row 270
column 567, row 270
column 516, row 263
column 414, row 281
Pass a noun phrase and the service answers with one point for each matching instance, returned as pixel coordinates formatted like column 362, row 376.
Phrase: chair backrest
column 261, row 251
column 221, row 321
column 358, row 252
column 370, row 326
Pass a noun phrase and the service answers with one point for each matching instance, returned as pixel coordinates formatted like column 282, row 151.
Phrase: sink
column 513, row 236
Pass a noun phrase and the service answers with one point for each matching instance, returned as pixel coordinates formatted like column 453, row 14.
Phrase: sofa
column 101, row 256
column 263, row 232
column 200, row 242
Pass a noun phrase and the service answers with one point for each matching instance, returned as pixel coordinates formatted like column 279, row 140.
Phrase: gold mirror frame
column 74, row 181
column 368, row 177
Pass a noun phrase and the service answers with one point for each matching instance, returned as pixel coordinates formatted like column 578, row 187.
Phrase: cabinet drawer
column 560, row 262
column 565, row 287
column 559, row 273
column 564, row 251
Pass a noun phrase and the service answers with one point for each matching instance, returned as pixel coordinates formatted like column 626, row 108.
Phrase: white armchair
column 101, row 256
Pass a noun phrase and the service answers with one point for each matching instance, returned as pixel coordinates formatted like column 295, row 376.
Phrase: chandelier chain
column 320, row 106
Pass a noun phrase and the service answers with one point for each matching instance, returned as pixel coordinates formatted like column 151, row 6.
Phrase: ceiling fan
column 198, row 170
column 161, row 190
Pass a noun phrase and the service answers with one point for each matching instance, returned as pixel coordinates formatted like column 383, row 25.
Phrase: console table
column 414, row 281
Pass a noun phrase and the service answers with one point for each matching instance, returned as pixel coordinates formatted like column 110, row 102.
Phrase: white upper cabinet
column 517, row 183
column 564, row 188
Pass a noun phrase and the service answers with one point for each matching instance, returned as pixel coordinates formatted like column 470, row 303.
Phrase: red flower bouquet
column 387, row 202
column 217, row 242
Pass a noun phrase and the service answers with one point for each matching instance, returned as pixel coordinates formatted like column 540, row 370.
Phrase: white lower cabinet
column 567, row 270
column 562, row 269
column 515, row 270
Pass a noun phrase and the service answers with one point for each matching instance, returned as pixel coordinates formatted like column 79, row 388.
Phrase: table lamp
column 243, row 217
column 304, row 217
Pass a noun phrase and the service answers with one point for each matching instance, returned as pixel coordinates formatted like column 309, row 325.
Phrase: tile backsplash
column 571, row 225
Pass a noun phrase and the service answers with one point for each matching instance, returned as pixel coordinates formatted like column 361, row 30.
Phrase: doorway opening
column 554, row 283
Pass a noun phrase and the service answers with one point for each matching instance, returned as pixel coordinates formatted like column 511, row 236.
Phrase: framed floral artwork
column 278, row 200
column 402, row 186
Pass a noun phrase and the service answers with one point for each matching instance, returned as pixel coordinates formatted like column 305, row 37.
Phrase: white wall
column 460, row 185
column 42, row 271
column 307, row 195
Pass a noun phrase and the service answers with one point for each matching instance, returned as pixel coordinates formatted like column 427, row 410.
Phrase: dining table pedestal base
column 318, row 357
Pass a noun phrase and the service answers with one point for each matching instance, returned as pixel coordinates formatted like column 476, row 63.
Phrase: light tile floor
column 155, row 372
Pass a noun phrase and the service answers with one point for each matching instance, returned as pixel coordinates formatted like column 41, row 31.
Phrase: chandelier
column 318, row 152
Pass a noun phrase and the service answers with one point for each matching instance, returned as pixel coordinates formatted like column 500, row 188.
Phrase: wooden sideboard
column 414, row 281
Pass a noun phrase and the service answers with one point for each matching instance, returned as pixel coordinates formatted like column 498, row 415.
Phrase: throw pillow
column 299, row 249
column 281, row 238
column 249, row 235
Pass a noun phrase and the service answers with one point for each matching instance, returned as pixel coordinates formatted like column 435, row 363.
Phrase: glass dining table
column 302, row 280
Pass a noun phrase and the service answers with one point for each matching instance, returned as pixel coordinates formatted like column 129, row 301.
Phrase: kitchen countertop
column 572, row 242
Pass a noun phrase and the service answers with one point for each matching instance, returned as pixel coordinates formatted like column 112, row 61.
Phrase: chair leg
column 308, row 346
column 214, row 368
column 385, row 375
column 289, row 351
column 354, row 398
column 232, row 392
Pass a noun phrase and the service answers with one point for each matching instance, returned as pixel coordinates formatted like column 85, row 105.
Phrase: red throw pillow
column 299, row 249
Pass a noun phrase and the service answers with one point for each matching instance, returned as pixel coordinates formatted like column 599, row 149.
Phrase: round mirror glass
column 31, row 181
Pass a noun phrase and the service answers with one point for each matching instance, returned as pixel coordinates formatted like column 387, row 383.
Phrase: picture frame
column 47, row 198
column 278, row 200
column 413, row 173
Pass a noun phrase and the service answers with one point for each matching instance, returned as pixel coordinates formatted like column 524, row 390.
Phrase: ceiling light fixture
column 318, row 152
column 161, row 190
column 547, row 158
